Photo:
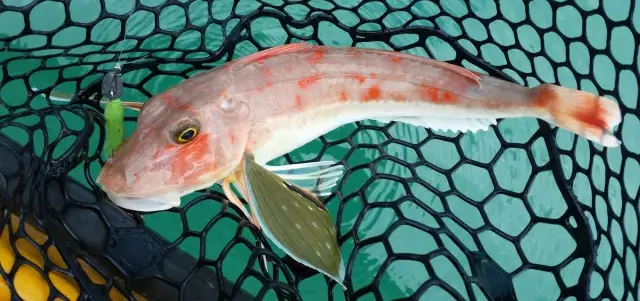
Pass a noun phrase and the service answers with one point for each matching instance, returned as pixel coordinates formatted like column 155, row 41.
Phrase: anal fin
column 445, row 123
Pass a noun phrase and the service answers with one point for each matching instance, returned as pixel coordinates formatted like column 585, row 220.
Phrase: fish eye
column 187, row 134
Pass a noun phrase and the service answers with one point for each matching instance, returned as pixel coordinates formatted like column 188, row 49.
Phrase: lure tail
column 582, row 113
column 114, row 125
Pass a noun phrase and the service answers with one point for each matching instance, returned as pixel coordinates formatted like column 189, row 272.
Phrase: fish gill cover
column 523, row 211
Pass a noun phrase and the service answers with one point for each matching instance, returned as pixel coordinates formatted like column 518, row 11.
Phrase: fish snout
column 113, row 179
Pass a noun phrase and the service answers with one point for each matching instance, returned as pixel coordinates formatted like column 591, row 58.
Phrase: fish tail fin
column 590, row 116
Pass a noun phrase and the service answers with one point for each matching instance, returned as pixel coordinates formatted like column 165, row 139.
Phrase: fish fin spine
column 261, row 55
column 464, row 72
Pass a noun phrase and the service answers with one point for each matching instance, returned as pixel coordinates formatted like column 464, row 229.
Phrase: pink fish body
column 276, row 100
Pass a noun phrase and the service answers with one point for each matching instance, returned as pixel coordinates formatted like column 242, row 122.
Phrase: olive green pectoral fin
column 295, row 220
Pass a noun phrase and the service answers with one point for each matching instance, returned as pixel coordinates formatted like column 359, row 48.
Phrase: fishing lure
column 112, row 87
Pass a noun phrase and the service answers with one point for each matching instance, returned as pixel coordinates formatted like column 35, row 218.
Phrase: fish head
column 186, row 139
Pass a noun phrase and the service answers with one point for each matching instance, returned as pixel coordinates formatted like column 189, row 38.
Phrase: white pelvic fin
column 317, row 177
column 445, row 124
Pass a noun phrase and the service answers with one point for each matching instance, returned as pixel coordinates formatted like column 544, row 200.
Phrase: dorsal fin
column 261, row 55
column 472, row 76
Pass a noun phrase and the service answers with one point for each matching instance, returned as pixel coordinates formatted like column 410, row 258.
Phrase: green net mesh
column 523, row 211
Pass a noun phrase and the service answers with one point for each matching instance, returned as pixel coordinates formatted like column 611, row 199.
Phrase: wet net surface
column 522, row 211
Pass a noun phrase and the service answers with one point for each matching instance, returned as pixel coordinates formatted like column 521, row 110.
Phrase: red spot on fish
column 449, row 97
column 543, row 96
column 373, row 75
column 138, row 174
column 318, row 54
column 342, row 96
column 298, row 102
column 400, row 97
column 185, row 160
column 168, row 98
column 185, row 107
column 267, row 72
column 373, row 93
column 396, row 59
column 169, row 147
column 360, row 78
column 429, row 93
column 232, row 137
column 156, row 154
column 306, row 82
column 269, row 83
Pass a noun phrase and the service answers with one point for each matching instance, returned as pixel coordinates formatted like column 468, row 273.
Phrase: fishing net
column 523, row 211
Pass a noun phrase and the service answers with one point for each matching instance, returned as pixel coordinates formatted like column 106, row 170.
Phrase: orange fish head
column 174, row 152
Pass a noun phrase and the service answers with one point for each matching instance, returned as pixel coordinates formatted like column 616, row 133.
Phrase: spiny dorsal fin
column 264, row 54
column 466, row 73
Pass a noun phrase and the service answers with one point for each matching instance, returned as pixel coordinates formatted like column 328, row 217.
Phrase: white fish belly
column 292, row 131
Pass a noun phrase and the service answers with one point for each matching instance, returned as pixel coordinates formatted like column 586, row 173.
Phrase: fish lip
column 146, row 204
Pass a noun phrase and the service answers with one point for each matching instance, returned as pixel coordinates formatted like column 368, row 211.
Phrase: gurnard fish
column 224, row 125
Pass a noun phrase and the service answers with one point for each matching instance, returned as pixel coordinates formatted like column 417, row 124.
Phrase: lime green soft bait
column 112, row 87
column 114, row 124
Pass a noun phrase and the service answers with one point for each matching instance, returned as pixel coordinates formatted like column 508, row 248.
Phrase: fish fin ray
column 466, row 73
column 226, row 188
column 312, row 176
column 454, row 124
column 290, row 218
column 260, row 55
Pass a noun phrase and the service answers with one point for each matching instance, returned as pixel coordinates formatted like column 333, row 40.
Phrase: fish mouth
column 146, row 204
